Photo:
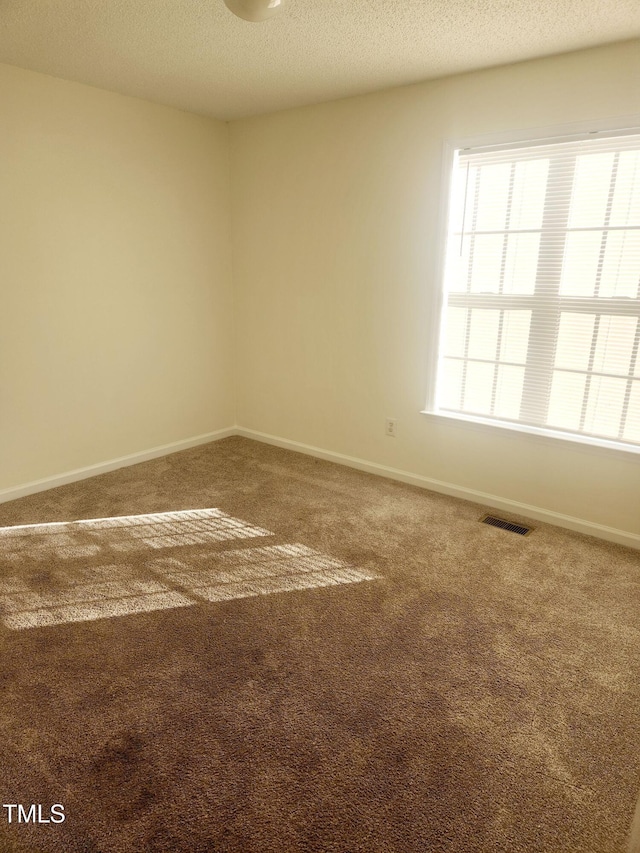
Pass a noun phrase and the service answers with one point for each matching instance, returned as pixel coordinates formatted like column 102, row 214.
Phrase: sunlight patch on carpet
column 66, row 572
column 97, row 609
column 260, row 571
column 69, row 539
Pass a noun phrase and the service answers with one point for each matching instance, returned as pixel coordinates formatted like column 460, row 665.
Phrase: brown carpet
column 255, row 650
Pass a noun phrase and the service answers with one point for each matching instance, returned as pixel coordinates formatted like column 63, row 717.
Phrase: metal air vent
column 520, row 529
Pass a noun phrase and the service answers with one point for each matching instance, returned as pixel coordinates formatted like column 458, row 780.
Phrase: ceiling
column 195, row 55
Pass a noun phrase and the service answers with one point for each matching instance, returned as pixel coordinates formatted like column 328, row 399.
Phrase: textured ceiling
column 194, row 54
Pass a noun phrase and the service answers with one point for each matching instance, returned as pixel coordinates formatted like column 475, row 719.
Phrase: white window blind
column 541, row 321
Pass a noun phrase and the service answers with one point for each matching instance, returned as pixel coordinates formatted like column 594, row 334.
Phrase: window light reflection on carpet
column 69, row 573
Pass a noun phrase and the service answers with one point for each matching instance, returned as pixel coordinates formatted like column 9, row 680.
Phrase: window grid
column 547, row 304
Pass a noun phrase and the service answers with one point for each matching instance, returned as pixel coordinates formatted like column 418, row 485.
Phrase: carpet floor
column 239, row 649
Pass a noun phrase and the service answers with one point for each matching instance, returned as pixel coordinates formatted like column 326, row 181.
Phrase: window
column 541, row 315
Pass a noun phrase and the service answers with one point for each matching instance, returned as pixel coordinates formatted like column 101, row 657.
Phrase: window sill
column 576, row 442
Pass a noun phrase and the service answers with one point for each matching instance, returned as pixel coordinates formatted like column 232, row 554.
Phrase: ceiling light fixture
column 254, row 10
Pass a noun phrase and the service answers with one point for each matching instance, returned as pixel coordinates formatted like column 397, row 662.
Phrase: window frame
column 535, row 136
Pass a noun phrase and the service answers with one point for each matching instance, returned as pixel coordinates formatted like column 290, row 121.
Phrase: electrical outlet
column 390, row 427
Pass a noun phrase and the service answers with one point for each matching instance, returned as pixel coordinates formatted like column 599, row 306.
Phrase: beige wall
column 117, row 314
column 335, row 218
column 116, row 296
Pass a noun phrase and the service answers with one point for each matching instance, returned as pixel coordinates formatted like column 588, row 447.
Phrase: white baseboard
column 580, row 525
column 16, row 492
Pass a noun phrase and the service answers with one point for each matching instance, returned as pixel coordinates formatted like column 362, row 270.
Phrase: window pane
column 521, row 264
column 487, row 262
column 614, row 346
column 509, row 391
column 580, row 267
column 621, row 266
column 565, row 403
column 455, row 332
column 625, row 209
column 467, row 178
column 478, row 388
column 458, row 270
column 632, row 428
column 529, row 189
column 494, row 193
column 544, row 277
column 575, row 336
column 604, row 406
column 483, row 333
column 591, row 190
column 515, row 336
column 450, row 385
